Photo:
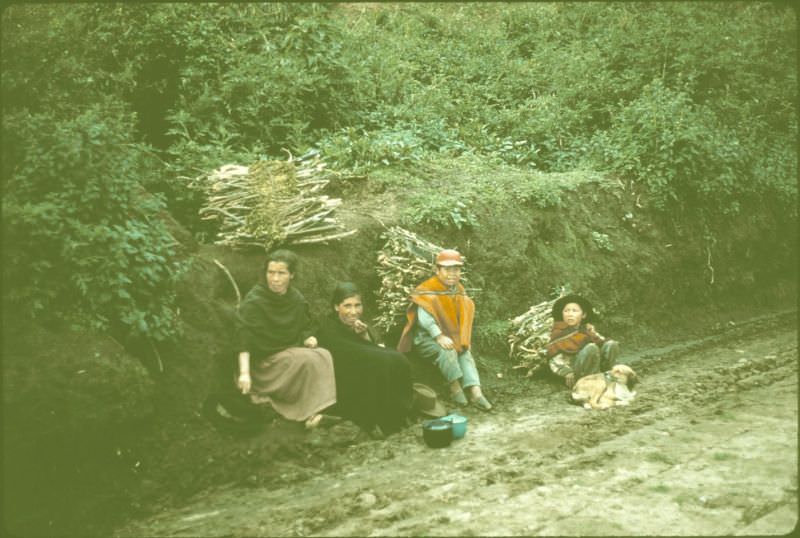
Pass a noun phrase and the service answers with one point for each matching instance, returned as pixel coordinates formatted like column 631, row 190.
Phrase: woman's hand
column 359, row 327
column 445, row 342
column 310, row 342
column 244, row 382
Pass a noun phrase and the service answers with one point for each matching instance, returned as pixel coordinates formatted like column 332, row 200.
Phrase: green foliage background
column 691, row 103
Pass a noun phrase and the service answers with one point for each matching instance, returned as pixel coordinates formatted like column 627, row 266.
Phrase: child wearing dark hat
column 576, row 349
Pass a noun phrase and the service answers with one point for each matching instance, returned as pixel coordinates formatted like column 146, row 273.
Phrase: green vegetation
column 84, row 242
column 691, row 105
column 456, row 193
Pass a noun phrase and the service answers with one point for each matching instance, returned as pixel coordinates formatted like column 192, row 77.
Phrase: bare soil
column 708, row 448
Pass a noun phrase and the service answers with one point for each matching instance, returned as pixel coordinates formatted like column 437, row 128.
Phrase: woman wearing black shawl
column 373, row 384
column 287, row 371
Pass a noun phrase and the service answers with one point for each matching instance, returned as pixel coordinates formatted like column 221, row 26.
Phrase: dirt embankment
column 708, row 448
column 135, row 438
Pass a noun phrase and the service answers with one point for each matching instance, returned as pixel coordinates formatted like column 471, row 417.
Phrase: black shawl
column 268, row 323
column 373, row 384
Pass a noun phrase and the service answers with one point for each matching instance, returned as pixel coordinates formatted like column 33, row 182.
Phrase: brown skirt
column 297, row 382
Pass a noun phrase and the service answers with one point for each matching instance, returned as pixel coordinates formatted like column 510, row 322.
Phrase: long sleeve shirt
column 426, row 324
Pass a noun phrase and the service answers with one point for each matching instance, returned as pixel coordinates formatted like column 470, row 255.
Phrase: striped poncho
column 570, row 339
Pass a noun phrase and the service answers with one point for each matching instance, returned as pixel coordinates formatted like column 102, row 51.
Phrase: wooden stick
column 233, row 282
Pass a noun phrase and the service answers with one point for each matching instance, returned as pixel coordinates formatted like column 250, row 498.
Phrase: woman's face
column 350, row 310
column 573, row 314
column 278, row 277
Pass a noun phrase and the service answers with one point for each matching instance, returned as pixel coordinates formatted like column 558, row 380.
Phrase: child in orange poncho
column 439, row 328
column 576, row 349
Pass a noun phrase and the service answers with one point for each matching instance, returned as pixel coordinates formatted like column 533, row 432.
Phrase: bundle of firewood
column 271, row 203
column 404, row 262
column 528, row 337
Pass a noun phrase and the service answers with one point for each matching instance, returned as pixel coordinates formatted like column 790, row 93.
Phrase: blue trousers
column 452, row 364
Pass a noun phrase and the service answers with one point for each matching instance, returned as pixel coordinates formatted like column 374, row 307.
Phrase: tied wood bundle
column 404, row 262
column 529, row 335
column 271, row 203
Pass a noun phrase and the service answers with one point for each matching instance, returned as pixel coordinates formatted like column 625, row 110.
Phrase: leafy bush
column 83, row 241
column 440, row 209
column 530, row 85
column 455, row 193
column 360, row 149
column 267, row 84
column 549, row 85
column 695, row 103
column 48, row 63
column 679, row 151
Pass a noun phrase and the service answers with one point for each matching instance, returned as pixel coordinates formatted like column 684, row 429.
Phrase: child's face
column 449, row 275
column 573, row 314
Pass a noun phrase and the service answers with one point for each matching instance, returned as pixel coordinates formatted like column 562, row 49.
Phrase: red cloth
column 570, row 340
column 450, row 307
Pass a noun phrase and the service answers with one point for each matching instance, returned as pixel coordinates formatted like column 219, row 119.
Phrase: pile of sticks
column 529, row 335
column 271, row 203
column 403, row 263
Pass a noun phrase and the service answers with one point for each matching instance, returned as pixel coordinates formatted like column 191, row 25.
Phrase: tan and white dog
column 606, row 389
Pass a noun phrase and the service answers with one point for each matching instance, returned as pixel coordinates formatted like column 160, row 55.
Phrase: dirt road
column 708, row 448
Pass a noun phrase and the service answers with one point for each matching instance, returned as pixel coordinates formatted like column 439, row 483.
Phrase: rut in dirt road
column 709, row 447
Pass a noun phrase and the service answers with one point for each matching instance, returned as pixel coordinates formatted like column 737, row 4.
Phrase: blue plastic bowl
column 459, row 423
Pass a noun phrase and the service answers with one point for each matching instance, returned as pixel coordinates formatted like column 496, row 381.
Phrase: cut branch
column 405, row 261
column 529, row 335
column 271, row 202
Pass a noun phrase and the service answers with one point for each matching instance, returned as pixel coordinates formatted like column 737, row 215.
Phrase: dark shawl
column 268, row 323
column 373, row 384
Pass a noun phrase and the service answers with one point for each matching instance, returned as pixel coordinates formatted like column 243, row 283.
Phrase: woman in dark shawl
column 373, row 384
column 279, row 362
